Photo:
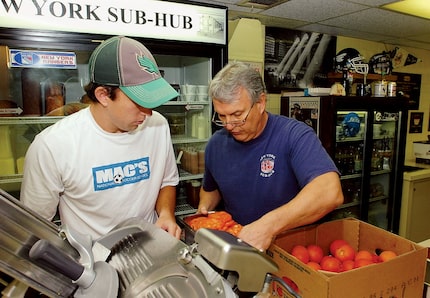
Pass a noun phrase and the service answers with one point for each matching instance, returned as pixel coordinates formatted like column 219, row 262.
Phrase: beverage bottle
column 358, row 161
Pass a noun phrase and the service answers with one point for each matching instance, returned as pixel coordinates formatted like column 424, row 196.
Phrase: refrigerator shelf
column 347, row 205
column 349, row 139
column 352, row 176
column 187, row 140
column 381, row 172
column 29, row 120
column 379, row 198
column 11, row 179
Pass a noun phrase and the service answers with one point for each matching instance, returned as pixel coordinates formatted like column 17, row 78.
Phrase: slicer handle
column 63, row 263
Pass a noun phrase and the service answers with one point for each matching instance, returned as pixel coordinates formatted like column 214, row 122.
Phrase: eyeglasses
column 234, row 123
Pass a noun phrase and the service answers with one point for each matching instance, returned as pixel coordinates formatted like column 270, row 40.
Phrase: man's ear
column 102, row 95
column 262, row 100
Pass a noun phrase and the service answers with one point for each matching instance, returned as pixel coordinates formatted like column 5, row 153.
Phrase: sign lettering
column 146, row 18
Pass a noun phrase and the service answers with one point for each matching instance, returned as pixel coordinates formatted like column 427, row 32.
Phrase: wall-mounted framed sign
column 409, row 87
column 296, row 59
column 416, row 122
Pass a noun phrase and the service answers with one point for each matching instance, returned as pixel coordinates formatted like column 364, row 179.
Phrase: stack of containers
column 7, row 162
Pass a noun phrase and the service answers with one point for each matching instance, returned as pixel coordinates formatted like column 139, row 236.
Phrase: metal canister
column 379, row 88
column 391, row 89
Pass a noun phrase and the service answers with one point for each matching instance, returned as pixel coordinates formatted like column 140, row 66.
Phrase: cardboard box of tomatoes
column 399, row 275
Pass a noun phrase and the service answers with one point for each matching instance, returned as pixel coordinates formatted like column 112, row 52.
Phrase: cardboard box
column 399, row 277
column 426, row 243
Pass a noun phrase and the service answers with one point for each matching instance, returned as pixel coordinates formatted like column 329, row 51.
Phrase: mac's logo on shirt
column 114, row 175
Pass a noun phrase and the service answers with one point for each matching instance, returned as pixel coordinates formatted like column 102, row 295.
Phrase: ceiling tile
column 313, row 11
column 273, row 21
column 382, row 22
column 336, row 31
column 362, row 19
column 374, row 3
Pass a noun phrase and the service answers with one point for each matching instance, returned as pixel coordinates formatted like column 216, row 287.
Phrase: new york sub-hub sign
column 143, row 18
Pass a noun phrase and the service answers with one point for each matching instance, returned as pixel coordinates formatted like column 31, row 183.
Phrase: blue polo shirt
column 258, row 176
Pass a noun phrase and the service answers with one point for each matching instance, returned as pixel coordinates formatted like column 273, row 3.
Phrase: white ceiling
column 362, row 19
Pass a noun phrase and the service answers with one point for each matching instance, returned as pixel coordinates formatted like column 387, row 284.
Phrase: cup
column 201, row 97
column 188, row 89
column 188, row 97
column 202, row 89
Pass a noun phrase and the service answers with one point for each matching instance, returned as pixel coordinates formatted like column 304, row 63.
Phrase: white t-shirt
column 97, row 178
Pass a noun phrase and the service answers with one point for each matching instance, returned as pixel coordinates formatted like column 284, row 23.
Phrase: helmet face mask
column 359, row 66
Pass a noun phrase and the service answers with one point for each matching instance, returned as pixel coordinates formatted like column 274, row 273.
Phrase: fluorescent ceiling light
column 418, row 8
column 261, row 4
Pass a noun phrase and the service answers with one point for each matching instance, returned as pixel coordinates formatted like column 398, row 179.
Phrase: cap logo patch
column 147, row 64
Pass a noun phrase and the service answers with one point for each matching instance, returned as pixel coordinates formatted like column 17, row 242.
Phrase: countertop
column 416, row 171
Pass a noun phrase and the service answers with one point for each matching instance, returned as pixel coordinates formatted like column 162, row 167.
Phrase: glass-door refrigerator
column 43, row 73
column 365, row 136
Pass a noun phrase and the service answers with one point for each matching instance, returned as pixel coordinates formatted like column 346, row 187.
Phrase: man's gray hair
column 227, row 83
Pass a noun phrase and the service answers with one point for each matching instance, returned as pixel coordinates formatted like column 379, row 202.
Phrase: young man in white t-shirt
column 113, row 160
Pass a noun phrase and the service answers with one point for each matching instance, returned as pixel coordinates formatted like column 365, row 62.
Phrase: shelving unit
column 179, row 71
column 336, row 76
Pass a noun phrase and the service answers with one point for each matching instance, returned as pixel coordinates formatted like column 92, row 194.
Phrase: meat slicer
column 136, row 259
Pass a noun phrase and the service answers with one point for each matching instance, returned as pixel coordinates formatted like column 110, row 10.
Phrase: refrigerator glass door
column 384, row 143
column 43, row 95
column 349, row 154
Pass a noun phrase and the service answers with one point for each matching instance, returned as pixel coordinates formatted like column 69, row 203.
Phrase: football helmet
column 349, row 59
column 380, row 63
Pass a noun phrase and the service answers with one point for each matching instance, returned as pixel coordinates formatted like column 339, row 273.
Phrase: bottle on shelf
column 376, row 164
column 358, row 161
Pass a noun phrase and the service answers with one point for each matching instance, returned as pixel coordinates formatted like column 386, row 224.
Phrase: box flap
column 304, row 235
column 372, row 238
column 347, row 229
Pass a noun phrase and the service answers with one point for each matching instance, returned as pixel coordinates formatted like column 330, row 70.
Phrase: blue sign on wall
column 45, row 59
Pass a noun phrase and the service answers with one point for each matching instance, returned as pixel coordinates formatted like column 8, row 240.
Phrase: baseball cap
column 126, row 63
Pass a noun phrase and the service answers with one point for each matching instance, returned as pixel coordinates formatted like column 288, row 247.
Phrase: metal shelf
column 185, row 139
column 350, row 139
column 184, row 175
column 347, row 205
column 29, row 120
column 378, row 198
column 184, row 209
column 381, row 172
column 184, row 103
column 11, row 179
column 351, row 176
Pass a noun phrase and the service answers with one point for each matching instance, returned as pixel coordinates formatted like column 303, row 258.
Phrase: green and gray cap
column 126, row 63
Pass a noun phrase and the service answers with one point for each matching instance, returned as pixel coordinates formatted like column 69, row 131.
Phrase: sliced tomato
column 219, row 220
column 196, row 223
column 212, row 223
column 235, row 229
column 221, row 216
column 228, row 224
